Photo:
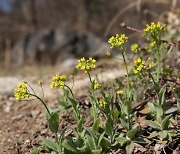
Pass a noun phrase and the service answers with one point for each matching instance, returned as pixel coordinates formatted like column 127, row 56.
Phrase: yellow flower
column 108, row 53
column 120, row 92
column 135, row 48
column 153, row 43
column 151, row 63
column 58, row 81
column 153, row 31
column 21, row 92
column 86, row 64
column 102, row 103
column 118, row 41
column 96, row 85
column 139, row 65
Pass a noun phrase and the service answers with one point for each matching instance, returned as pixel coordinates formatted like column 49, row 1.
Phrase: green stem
column 42, row 103
column 89, row 77
column 127, row 73
column 69, row 90
column 47, row 111
column 158, row 68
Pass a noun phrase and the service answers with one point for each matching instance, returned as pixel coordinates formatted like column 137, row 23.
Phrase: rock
column 55, row 46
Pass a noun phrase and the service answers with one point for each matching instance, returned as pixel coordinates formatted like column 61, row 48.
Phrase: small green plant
column 114, row 124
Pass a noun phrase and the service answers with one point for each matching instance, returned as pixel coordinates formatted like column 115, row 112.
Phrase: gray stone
column 55, row 46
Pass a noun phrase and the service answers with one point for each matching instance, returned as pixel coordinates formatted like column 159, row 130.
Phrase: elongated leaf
column 47, row 113
column 124, row 123
column 130, row 148
column 152, row 107
column 54, row 122
column 161, row 94
column 35, row 151
column 96, row 124
column 80, row 123
column 100, row 138
column 69, row 145
column 141, row 140
column 90, row 142
column 126, row 107
column 109, row 129
column 122, row 140
column 131, row 133
column 116, row 114
column 166, row 122
column 153, row 134
column 99, row 151
column 159, row 113
column 171, row 110
column 154, row 125
column 73, row 102
column 163, row 134
column 50, row 144
column 156, row 87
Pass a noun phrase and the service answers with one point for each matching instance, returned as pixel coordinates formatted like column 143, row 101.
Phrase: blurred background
column 49, row 32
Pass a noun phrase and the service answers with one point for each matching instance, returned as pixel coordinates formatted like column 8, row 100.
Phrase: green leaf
column 124, row 123
column 47, row 113
column 50, row 144
column 161, row 95
column 130, row 148
column 126, row 107
column 54, row 122
column 100, row 138
column 80, row 123
column 35, row 151
column 99, row 151
column 171, row 110
column 159, row 113
column 115, row 114
column 166, row 121
column 156, row 87
column 90, row 142
column 96, row 124
column 151, row 107
column 73, row 102
column 69, row 145
column 153, row 134
column 154, row 124
column 122, row 140
column 109, row 129
column 82, row 149
column 142, row 140
column 131, row 133
column 163, row 134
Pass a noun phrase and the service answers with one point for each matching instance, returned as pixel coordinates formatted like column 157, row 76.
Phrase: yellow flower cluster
column 58, row 81
column 119, row 92
column 96, row 85
column 154, row 30
column 21, row 91
column 153, row 43
column 151, row 63
column 118, row 41
column 102, row 103
column 135, row 47
column 139, row 66
column 86, row 64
